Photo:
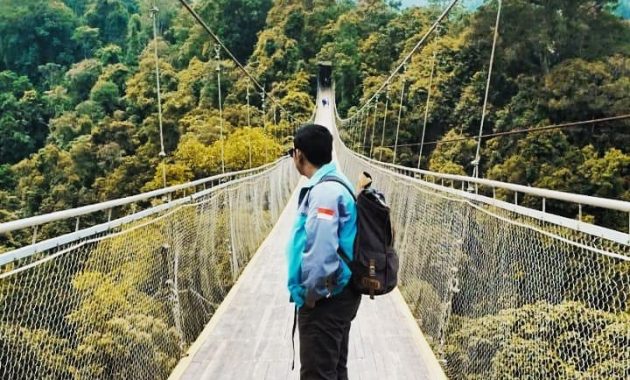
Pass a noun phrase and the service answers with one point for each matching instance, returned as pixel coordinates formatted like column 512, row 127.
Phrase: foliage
column 22, row 121
column 453, row 158
column 110, row 18
column 541, row 340
column 236, row 22
column 81, row 77
column 35, row 32
column 122, row 330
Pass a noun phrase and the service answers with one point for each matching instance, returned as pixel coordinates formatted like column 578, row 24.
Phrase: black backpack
column 375, row 263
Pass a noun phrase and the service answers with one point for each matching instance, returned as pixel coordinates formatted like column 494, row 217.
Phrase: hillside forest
column 79, row 112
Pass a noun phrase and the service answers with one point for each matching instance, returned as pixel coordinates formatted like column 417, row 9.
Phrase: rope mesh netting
column 126, row 304
column 500, row 295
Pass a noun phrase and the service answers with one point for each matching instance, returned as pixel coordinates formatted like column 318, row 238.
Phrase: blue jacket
column 327, row 220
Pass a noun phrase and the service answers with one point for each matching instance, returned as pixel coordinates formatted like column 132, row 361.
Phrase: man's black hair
column 315, row 141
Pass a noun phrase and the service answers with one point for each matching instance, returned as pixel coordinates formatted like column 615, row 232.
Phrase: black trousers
column 324, row 335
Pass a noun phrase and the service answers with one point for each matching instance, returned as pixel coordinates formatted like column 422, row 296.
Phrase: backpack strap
column 332, row 178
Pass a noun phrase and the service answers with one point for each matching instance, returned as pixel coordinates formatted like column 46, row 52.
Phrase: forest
column 79, row 125
column 79, row 114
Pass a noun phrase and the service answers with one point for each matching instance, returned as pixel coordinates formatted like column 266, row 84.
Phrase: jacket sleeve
column 320, row 259
column 294, row 259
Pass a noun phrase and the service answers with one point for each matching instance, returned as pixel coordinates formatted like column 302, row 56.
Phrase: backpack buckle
column 371, row 283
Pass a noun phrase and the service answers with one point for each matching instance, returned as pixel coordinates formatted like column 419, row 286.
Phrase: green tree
column 141, row 89
column 48, row 181
column 110, row 17
column 33, row 33
column 236, row 22
column 82, row 77
column 67, row 127
column 87, row 39
column 453, row 158
column 23, row 118
column 110, row 54
column 106, row 94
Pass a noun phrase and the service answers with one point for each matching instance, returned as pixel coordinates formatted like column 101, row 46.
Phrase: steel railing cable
column 477, row 159
column 358, row 125
column 167, row 270
column 455, row 249
column 264, row 117
column 274, row 115
column 359, row 122
column 370, row 113
column 353, row 132
column 173, row 293
column 249, row 121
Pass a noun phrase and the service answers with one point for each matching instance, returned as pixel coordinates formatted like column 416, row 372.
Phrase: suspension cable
column 485, row 101
column 426, row 109
column 264, row 114
column 412, row 52
column 359, row 127
column 374, row 126
column 356, row 132
column 249, row 125
column 218, row 58
column 350, row 125
column 380, row 158
column 162, row 154
column 249, row 121
column 366, row 118
column 402, row 99
column 229, row 53
column 582, row 123
column 274, row 115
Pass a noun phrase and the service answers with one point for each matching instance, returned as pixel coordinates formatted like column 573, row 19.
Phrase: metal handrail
column 544, row 194
column 29, row 250
column 586, row 200
column 574, row 224
column 78, row 212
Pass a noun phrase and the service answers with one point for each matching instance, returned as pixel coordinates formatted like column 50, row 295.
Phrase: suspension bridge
column 188, row 281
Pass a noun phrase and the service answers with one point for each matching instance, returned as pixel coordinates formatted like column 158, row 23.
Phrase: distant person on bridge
column 321, row 243
column 324, row 102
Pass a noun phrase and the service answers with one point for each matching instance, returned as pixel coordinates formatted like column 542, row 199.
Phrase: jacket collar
column 323, row 171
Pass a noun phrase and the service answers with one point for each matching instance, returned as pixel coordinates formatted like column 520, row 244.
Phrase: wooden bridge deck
column 250, row 335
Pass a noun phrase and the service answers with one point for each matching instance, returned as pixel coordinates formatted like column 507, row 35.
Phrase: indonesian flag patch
column 325, row 213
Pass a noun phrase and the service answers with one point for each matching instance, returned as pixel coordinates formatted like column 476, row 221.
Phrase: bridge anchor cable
column 485, row 101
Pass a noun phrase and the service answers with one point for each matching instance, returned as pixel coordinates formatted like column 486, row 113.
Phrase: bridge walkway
column 250, row 335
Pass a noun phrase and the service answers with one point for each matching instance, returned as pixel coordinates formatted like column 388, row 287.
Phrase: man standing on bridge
column 321, row 246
